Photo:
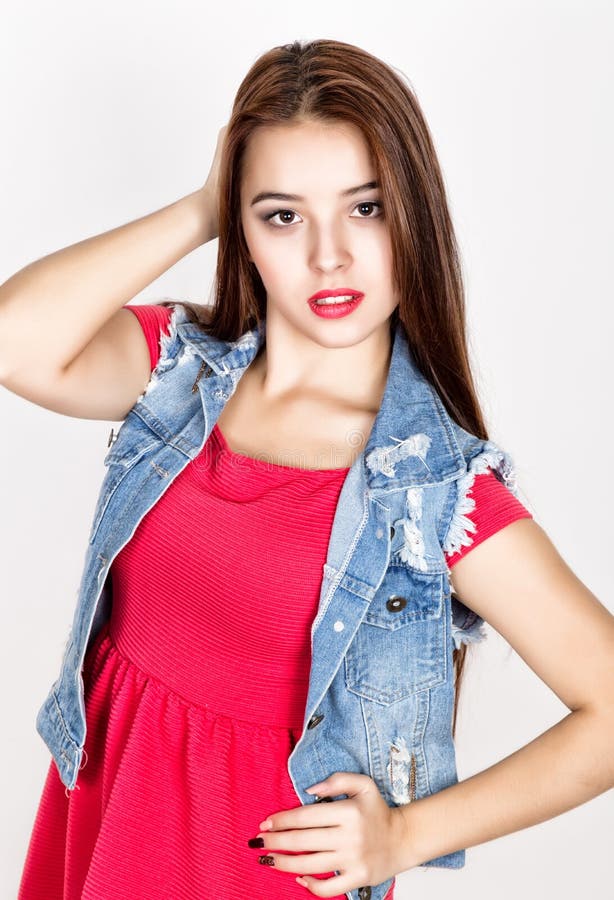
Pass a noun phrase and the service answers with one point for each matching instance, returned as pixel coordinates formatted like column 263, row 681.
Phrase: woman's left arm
column 517, row 581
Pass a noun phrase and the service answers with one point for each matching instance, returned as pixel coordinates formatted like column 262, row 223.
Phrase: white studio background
column 111, row 110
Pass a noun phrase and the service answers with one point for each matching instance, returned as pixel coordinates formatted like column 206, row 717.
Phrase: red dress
column 195, row 687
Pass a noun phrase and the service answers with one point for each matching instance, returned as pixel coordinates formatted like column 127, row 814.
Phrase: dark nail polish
column 255, row 842
column 266, row 860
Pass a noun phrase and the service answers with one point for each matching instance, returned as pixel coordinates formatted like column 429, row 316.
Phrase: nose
column 330, row 250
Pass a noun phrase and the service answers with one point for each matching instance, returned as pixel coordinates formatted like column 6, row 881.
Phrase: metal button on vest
column 112, row 438
column 364, row 893
column 394, row 603
column 391, row 532
column 314, row 720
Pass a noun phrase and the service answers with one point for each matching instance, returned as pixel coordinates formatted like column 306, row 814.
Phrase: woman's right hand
column 211, row 187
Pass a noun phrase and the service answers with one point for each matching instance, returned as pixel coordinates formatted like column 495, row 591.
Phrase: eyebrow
column 272, row 195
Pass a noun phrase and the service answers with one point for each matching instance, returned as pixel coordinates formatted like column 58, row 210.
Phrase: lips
column 335, row 292
column 335, row 307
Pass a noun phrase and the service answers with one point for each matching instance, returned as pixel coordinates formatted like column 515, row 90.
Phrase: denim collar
column 412, row 441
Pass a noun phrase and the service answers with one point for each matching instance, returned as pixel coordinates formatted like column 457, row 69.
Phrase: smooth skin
column 329, row 372
column 515, row 579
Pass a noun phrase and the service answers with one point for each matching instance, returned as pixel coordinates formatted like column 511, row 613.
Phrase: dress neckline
column 264, row 464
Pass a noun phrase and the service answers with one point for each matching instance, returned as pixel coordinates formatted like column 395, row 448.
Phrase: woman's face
column 328, row 239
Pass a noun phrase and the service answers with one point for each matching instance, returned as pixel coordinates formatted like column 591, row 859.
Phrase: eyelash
column 270, row 216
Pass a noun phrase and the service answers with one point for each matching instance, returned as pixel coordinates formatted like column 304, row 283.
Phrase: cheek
column 275, row 272
column 376, row 243
column 275, row 260
column 259, row 251
column 258, row 246
column 383, row 254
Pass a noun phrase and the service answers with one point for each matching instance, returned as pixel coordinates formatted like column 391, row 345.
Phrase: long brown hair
column 328, row 81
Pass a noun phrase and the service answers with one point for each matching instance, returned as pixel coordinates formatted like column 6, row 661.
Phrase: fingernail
column 256, row 842
column 266, row 825
column 266, row 860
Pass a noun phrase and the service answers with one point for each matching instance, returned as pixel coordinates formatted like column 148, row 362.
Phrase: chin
column 347, row 337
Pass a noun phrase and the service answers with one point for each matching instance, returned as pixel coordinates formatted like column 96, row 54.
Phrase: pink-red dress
column 195, row 688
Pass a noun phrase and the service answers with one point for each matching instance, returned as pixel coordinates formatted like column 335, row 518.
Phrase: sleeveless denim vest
column 381, row 683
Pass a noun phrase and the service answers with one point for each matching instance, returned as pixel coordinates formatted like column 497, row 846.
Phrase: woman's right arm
column 65, row 341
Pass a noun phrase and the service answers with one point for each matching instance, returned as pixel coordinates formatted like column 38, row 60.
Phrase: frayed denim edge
column 461, row 527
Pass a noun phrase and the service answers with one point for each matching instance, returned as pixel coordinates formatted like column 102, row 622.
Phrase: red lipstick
column 338, row 308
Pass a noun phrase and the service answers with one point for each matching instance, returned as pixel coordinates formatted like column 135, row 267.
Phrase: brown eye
column 369, row 204
column 279, row 212
column 283, row 215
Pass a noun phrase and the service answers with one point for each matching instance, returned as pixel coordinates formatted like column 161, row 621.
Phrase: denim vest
column 381, row 684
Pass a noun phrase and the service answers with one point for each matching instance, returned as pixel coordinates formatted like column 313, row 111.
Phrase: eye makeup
column 269, row 216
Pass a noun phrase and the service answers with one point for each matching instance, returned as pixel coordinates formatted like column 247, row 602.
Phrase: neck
column 291, row 366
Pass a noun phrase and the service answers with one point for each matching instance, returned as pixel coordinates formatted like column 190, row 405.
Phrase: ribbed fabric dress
column 195, row 687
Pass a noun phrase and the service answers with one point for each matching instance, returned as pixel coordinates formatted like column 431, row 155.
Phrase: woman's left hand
column 362, row 838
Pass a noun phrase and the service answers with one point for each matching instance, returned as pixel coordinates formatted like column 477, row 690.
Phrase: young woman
column 266, row 617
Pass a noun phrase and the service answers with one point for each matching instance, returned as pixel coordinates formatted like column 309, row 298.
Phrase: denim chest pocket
column 133, row 441
column 399, row 647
